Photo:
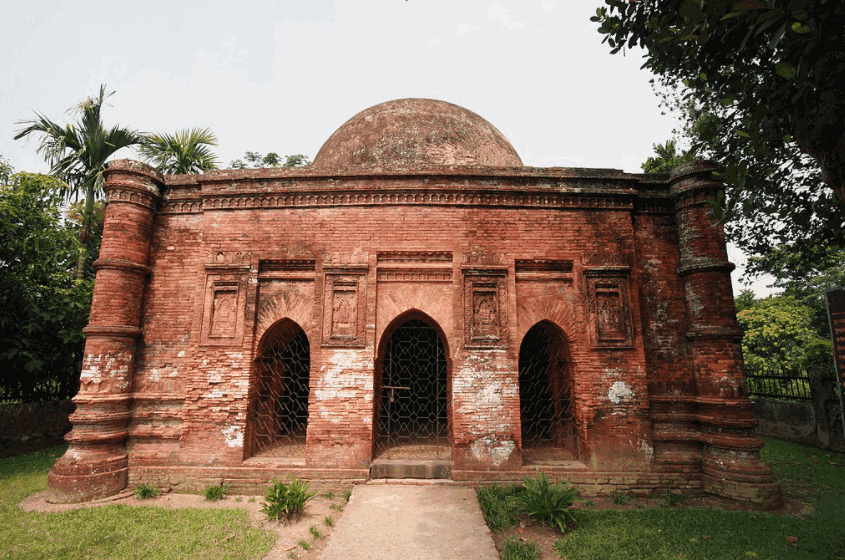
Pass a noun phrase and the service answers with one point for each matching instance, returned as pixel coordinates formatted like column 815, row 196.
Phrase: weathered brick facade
column 414, row 209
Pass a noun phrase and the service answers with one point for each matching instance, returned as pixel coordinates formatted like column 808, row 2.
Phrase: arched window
column 279, row 409
column 545, row 391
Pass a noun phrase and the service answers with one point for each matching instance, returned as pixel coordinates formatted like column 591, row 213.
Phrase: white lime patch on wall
column 233, row 435
column 620, row 392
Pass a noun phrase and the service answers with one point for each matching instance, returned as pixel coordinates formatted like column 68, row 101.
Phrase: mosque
column 417, row 303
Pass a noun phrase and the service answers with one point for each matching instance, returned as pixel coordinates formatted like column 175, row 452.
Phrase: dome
column 416, row 132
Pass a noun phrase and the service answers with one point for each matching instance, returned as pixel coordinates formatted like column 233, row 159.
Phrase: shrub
column 548, row 503
column 671, row 499
column 619, row 498
column 216, row 492
column 284, row 500
column 515, row 549
column 145, row 491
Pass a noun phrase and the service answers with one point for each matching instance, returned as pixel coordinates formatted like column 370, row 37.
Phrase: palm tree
column 186, row 151
column 77, row 154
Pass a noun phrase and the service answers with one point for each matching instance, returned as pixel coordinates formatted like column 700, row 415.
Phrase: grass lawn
column 814, row 477
column 115, row 531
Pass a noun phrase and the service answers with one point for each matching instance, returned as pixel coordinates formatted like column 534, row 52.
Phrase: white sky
column 282, row 76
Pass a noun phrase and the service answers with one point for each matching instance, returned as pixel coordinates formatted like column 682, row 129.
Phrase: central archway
column 412, row 395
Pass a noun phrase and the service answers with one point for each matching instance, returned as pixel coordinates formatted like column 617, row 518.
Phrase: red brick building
column 417, row 302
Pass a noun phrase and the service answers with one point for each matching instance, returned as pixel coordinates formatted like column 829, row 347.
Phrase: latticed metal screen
column 279, row 411
column 545, row 390
column 413, row 418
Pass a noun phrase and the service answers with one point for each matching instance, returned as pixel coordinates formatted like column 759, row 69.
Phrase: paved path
column 409, row 522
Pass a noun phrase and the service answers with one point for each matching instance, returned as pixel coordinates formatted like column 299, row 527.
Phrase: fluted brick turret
column 95, row 465
column 731, row 464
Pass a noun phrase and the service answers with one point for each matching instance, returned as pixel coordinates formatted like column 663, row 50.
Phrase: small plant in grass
column 346, row 495
column 589, row 503
column 328, row 495
column 619, row 498
column 336, row 507
column 550, row 503
column 146, row 491
column 671, row 499
column 315, row 532
column 515, row 549
column 292, row 554
column 328, row 521
column 305, row 544
column 286, row 499
column 499, row 513
column 216, row 492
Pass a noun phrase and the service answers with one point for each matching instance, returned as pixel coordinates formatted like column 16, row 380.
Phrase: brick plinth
column 96, row 462
column 730, row 460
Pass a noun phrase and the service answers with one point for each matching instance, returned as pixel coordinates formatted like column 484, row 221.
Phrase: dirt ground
column 289, row 534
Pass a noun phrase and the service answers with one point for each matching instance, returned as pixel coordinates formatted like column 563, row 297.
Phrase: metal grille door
column 279, row 412
column 545, row 393
column 413, row 418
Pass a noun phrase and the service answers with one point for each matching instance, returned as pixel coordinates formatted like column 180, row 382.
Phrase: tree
column 78, row 154
column 666, row 158
column 186, row 151
column 779, row 337
column 272, row 159
column 761, row 87
column 42, row 308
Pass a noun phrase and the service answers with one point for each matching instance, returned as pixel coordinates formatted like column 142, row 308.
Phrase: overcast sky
column 282, row 76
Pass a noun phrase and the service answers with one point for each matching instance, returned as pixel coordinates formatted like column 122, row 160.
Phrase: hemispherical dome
column 416, row 132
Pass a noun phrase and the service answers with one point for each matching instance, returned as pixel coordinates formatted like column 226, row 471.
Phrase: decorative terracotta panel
column 344, row 308
column 485, row 308
column 610, row 308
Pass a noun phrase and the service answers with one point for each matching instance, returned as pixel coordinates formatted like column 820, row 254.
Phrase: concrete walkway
column 410, row 522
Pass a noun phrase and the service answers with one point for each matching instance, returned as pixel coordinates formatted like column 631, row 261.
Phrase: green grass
column 114, row 531
column 812, row 476
column 499, row 512
column 515, row 549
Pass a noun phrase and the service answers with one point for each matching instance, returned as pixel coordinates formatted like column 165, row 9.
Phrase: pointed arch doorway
column 546, row 403
column 412, row 419
column 278, row 413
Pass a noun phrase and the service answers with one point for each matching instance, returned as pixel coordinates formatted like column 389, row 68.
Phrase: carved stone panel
column 224, row 309
column 610, row 309
column 344, row 308
column 485, row 308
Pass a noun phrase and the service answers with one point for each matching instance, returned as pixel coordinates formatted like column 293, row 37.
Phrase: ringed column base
column 730, row 463
column 96, row 464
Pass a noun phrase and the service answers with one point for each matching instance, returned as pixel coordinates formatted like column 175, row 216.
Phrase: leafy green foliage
column 185, row 151
column 515, row 549
column 216, row 492
column 499, row 512
column 549, row 503
column 328, row 521
column 666, row 158
column 272, row 159
column 758, row 84
column 671, row 499
column 42, row 308
column 146, row 491
column 286, row 499
column 619, row 498
column 78, row 153
column 779, row 336
column 315, row 532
